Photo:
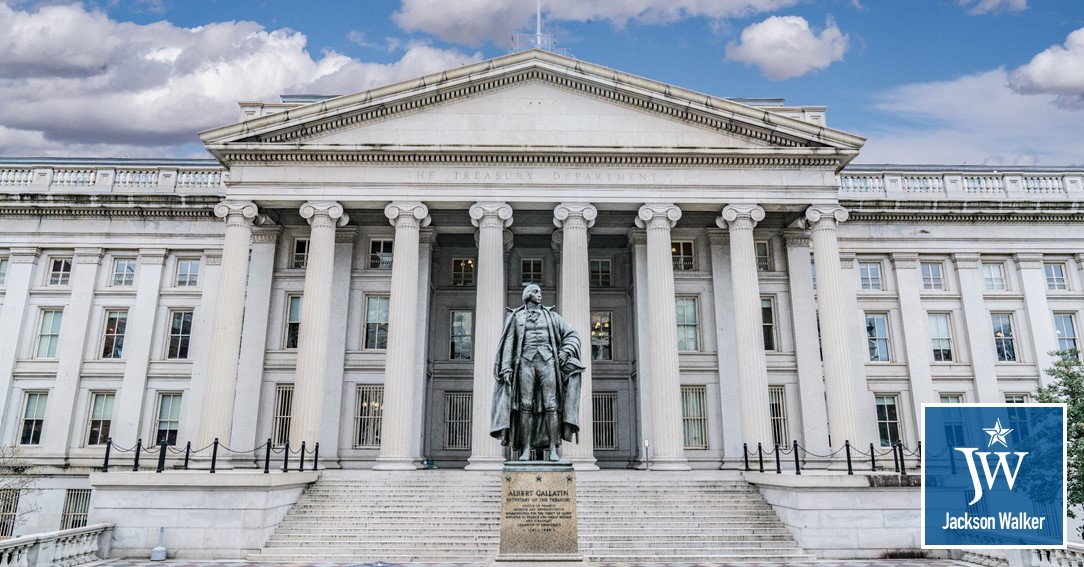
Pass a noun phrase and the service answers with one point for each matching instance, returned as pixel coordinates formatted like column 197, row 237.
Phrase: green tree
column 1068, row 388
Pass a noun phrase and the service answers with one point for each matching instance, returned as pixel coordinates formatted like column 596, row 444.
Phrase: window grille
column 604, row 420
column 76, row 507
column 60, row 271
column 457, row 420
column 380, row 254
column 694, row 417
column 777, row 404
column 9, row 507
column 284, row 402
column 300, row 257
column 682, row 252
column 368, row 417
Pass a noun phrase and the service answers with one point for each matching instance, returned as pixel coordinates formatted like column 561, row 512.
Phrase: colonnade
column 398, row 450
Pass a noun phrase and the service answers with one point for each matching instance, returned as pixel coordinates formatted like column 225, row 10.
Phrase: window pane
column 380, row 254
column 33, row 418
column 169, row 418
column 461, row 327
column 687, row 331
column 376, row 322
column 123, row 272
column 187, row 272
column 877, row 337
column 601, row 335
column 1066, row 330
column 101, row 416
column 931, row 276
column 113, row 343
column 682, row 252
column 1003, row 337
column 993, row 276
column 870, row 275
column 600, row 273
column 293, row 320
column 767, row 316
column 887, row 420
column 940, row 339
column 180, row 334
column 49, row 333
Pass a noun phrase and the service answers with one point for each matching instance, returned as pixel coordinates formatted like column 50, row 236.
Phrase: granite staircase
column 453, row 516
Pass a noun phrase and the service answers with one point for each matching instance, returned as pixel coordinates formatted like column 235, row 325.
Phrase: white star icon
column 997, row 434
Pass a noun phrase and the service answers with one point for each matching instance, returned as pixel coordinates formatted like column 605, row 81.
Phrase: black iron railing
column 181, row 458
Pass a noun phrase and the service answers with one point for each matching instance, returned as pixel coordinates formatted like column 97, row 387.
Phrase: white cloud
column 785, row 46
column 1059, row 71
column 974, row 119
column 987, row 6
column 473, row 22
column 75, row 82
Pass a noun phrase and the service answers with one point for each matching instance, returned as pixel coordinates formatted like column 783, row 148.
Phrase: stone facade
column 336, row 272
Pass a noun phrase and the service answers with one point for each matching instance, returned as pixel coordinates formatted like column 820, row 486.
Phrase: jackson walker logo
column 993, row 475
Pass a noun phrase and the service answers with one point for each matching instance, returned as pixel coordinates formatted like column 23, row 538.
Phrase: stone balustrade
column 966, row 184
column 201, row 177
column 64, row 548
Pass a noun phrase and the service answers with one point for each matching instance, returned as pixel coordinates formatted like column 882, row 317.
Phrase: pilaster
column 638, row 242
column 726, row 327
column 12, row 316
column 980, row 336
column 916, row 330
column 1040, row 318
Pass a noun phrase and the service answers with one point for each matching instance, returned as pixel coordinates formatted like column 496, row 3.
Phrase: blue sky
column 926, row 81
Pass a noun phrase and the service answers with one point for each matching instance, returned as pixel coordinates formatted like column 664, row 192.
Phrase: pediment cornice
column 295, row 126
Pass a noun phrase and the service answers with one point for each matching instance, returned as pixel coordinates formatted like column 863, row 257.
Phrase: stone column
column 312, row 343
column 137, row 349
column 838, row 376
column 916, row 330
column 400, row 370
column 71, row 348
column 723, row 291
column 216, row 413
column 1040, row 318
column 806, row 348
column 13, row 316
column 667, row 452
column 421, row 327
column 254, row 337
column 748, row 335
column 638, row 240
column 980, row 333
column 489, row 312
column 574, row 219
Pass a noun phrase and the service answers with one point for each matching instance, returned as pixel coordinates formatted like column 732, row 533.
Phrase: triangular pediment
column 528, row 101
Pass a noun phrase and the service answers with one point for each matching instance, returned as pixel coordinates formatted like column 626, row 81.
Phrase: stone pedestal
column 538, row 515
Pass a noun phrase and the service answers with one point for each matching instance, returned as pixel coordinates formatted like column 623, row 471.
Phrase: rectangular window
column 3, row 270
column 993, row 276
column 530, row 270
column 888, row 420
column 877, row 337
column 49, row 332
column 1016, row 398
column 280, row 425
column 76, row 507
column 952, row 398
column 180, row 334
column 687, row 329
column 764, row 256
column 767, row 318
column 33, row 418
column 1063, row 324
column 682, row 251
column 293, row 321
column 187, row 272
column 940, row 337
column 169, row 419
column 694, row 417
column 604, row 420
column 601, row 335
column 457, row 421
column 101, row 417
column 300, row 256
column 954, row 425
column 60, row 271
column 1055, row 276
column 931, row 276
column 368, row 417
column 777, row 405
column 1018, row 418
column 9, row 507
column 1004, row 341
column 113, row 341
column 123, row 272
column 376, row 321
column 869, row 274
column 380, row 254
column 463, row 271
column 462, row 345
column 601, row 273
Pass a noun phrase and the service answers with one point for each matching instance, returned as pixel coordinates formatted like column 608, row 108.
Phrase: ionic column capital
column 329, row 212
column 492, row 212
column 740, row 216
column 411, row 212
column 237, row 211
column 826, row 216
column 573, row 211
column 658, row 215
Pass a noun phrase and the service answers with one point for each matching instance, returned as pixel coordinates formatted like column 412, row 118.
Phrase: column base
column 583, row 463
column 395, row 464
column 669, row 464
column 481, row 463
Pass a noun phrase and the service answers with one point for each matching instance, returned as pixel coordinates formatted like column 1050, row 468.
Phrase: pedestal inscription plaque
column 538, row 513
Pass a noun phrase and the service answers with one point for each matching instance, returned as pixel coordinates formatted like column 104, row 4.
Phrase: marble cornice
column 106, row 206
column 965, row 212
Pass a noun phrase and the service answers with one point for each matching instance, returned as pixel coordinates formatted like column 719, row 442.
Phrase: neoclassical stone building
column 340, row 273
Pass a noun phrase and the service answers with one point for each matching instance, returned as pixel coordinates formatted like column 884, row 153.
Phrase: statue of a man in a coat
column 537, row 399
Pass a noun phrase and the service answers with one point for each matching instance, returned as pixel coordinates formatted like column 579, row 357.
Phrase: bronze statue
column 537, row 400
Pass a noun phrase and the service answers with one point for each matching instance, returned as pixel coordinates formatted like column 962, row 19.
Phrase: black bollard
column 903, row 465
column 267, row 458
column 847, row 446
column 797, row 467
column 315, row 455
column 872, row 458
column 214, row 455
column 745, row 448
column 778, row 468
column 301, row 466
column 895, row 457
column 161, row 457
column 760, row 455
column 108, row 447
column 187, row 453
column 135, row 463
column 286, row 456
